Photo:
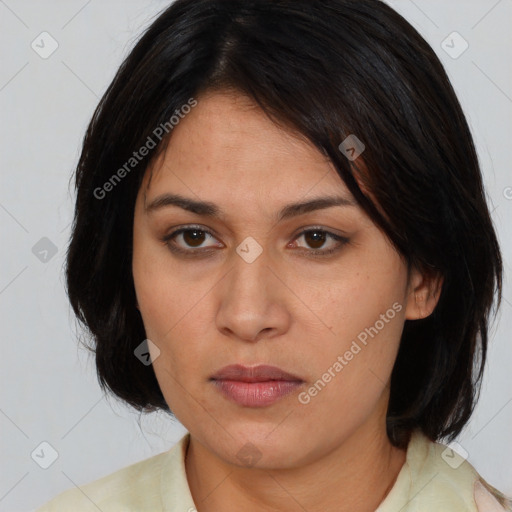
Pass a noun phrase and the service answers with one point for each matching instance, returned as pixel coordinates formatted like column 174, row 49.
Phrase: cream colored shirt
column 433, row 479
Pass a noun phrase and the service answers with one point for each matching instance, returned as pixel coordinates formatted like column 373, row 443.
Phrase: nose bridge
column 250, row 273
column 249, row 302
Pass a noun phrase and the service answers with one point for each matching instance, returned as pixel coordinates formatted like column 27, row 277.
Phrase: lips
column 256, row 386
column 259, row 373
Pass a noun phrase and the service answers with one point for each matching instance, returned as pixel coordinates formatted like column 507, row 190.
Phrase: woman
column 281, row 238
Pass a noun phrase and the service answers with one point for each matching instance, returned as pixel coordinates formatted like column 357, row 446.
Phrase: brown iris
column 316, row 237
column 194, row 237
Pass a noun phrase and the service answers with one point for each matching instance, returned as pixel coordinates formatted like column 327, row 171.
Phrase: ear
column 423, row 293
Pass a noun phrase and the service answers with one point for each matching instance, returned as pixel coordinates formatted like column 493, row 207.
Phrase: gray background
column 49, row 391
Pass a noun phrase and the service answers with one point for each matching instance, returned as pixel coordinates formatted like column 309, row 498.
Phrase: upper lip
column 260, row 373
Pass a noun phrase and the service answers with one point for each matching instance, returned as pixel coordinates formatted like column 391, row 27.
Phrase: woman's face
column 244, row 287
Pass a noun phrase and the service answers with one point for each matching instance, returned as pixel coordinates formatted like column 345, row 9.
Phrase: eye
column 190, row 241
column 186, row 240
column 316, row 238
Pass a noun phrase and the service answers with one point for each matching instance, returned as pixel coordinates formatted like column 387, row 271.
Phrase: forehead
column 227, row 145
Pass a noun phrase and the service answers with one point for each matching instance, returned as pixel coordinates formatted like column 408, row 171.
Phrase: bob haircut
column 323, row 69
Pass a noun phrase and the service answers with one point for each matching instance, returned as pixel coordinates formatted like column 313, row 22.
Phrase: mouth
column 256, row 386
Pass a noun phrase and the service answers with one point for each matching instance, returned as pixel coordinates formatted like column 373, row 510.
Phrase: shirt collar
column 174, row 486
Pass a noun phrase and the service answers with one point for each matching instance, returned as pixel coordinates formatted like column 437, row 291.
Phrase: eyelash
column 168, row 239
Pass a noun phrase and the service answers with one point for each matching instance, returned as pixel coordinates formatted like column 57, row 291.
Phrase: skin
column 287, row 308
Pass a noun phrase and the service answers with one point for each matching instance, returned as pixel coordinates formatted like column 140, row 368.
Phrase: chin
column 262, row 445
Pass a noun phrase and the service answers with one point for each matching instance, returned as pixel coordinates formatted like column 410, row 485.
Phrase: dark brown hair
column 324, row 69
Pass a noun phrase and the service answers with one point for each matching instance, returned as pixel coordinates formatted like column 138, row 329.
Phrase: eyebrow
column 210, row 209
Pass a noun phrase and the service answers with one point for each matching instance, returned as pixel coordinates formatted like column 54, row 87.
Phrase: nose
column 252, row 303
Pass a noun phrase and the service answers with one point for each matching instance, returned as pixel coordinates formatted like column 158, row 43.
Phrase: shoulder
column 454, row 481
column 489, row 499
column 436, row 477
column 135, row 487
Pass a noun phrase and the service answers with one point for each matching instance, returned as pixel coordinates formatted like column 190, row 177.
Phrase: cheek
column 350, row 377
column 159, row 297
column 363, row 298
column 171, row 306
column 365, row 312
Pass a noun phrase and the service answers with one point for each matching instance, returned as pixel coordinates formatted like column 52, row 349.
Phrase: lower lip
column 256, row 394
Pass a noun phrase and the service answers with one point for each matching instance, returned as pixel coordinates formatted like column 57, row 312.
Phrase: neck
column 357, row 475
